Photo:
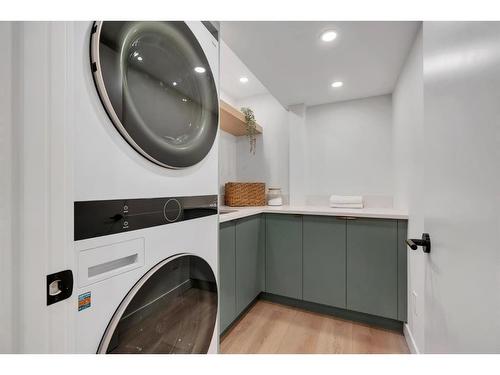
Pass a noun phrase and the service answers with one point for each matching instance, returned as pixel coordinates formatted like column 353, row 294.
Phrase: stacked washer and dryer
column 146, row 176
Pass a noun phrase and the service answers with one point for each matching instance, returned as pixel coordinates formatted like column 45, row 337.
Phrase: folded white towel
column 347, row 205
column 346, row 199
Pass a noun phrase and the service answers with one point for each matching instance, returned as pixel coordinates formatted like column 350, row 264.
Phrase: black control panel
column 100, row 218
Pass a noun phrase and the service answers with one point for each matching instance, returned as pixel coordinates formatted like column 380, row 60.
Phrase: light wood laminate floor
column 273, row 328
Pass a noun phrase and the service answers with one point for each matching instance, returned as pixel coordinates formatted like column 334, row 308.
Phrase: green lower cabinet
column 284, row 255
column 227, row 275
column 402, row 271
column 324, row 257
column 250, row 260
column 358, row 265
column 372, row 266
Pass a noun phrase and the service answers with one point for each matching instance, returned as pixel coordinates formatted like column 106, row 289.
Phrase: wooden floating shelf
column 233, row 121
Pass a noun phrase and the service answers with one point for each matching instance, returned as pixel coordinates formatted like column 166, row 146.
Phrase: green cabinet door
column 372, row 267
column 402, row 271
column 227, row 256
column 284, row 255
column 250, row 246
column 324, row 269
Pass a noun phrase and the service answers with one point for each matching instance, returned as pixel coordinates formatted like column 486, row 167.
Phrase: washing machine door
column 158, row 89
column 171, row 309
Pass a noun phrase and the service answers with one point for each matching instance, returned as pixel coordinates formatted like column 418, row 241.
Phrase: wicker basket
column 239, row 194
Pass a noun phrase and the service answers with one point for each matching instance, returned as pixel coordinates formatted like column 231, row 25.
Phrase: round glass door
column 171, row 310
column 157, row 87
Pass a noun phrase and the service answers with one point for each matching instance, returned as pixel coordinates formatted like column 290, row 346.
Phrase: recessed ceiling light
column 199, row 69
column 243, row 79
column 337, row 84
column 174, row 83
column 328, row 36
column 139, row 58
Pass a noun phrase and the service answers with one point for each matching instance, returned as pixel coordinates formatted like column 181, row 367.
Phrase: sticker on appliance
column 84, row 301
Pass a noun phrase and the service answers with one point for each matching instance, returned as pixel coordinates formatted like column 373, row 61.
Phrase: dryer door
column 171, row 309
column 157, row 87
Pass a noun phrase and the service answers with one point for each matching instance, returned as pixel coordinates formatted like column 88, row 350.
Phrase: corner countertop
column 369, row 212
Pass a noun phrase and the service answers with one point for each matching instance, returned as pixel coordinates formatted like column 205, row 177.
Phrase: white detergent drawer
column 100, row 263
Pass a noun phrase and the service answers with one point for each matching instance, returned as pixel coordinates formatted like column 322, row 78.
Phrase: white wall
column 227, row 160
column 297, row 154
column 313, row 152
column 227, row 151
column 233, row 69
column 408, row 177
column 348, row 146
column 227, row 98
column 270, row 162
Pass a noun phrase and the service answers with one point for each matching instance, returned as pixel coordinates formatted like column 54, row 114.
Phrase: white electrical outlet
column 414, row 297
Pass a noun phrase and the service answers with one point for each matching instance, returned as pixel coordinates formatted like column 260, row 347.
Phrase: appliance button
column 172, row 210
column 116, row 217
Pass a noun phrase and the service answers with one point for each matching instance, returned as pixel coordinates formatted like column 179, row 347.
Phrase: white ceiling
column 297, row 67
column 231, row 70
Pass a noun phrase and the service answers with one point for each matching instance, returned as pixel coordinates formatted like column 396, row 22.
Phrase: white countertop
column 369, row 212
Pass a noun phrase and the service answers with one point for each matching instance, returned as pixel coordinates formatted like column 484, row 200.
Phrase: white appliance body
column 150, row 246
column 106, row 167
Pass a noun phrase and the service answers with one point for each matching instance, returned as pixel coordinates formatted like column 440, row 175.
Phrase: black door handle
column 425, row 242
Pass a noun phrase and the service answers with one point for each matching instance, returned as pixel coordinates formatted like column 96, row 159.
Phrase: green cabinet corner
column 372, row 267
column 402, row 270
column 250, row 258
column 227, row 275
column 284, row 255
column 324, row 257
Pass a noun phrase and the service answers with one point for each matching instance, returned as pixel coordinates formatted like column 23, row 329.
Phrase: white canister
column 274, row 197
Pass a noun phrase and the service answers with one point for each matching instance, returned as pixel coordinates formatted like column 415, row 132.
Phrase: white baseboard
column 409, row 340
